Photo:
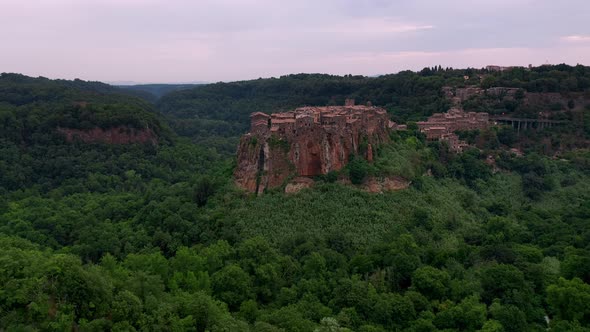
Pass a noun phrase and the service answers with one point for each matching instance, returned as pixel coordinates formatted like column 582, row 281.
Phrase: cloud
column 188, row 40
column 576, row 38
column 374, row 26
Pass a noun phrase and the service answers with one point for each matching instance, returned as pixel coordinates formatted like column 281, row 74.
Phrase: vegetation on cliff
column 137, row 237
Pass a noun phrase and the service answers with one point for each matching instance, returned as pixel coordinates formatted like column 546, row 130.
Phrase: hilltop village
column 442, row 126
column 350, row 119
column 312, row 141
column 315, row 140
column 307, row 141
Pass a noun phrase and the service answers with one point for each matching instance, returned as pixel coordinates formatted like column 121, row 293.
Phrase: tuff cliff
column 307, row 141
column 114, row 135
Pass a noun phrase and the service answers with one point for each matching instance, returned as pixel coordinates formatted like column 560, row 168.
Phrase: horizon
column 181, row 42
column 133, row 83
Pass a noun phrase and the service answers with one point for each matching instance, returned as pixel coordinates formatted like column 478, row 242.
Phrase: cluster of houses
column 350, row 117
column 442, row 126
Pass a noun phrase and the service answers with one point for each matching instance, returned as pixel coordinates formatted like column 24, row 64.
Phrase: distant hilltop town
column 504, row 68
column 442, row 126
column 307, row 141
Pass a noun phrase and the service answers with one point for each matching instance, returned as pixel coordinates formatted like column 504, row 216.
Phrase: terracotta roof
column 259, row 114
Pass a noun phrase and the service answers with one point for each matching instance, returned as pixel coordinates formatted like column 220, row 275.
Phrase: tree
column 358, row 169
column 499, row 280
column 570, row 300
column 329, row 324
column 576, row 264
column 204, row 189
column 492, row 326
column 509, row 316
column 232, row 285
column 488, row 81
column 469, row 315
column 392, row 310
column 431, row 282
column 126, row 307
column 249, row 311
column 507, row 136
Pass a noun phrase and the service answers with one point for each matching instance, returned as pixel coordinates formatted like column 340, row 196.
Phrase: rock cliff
column 307, row 141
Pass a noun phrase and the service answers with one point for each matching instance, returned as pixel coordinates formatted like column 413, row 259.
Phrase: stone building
column 259, row 122
column 501, row 68
column 442, row 126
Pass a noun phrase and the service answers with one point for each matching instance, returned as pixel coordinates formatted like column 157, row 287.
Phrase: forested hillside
column 216, row 114
column 36, row 154
column 156, row 237
column 153, row 92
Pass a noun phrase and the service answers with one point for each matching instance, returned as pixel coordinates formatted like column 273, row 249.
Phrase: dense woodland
column 98, row 237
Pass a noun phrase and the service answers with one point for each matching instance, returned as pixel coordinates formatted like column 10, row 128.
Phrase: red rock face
column 115, row 135
column 250, row 159
column 307, row 158
column 307, row 142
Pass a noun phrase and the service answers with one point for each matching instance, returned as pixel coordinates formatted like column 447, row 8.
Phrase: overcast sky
column 224, row 40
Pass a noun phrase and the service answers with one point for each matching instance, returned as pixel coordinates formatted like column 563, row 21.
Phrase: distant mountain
column 156, row 91
column 128, row 83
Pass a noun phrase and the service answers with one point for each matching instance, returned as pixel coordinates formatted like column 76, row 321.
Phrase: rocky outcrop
column 298, row 184
column 115, row 135
column 307, row 142
column 381, row 185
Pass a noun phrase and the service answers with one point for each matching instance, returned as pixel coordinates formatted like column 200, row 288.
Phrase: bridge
column 524, row 123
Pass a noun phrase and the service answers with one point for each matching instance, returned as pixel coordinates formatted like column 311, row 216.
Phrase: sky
column 173, row 41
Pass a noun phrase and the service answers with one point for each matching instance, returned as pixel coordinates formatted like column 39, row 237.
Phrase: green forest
column 156, row 237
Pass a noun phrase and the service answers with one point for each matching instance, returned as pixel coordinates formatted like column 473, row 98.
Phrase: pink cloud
column 577, row 38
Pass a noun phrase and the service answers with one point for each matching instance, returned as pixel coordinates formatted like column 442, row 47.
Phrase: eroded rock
column 298, row 184
column 307, row 141
column 381, row 185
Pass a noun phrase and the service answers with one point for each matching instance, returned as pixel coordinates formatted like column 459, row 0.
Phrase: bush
column 358, row 169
